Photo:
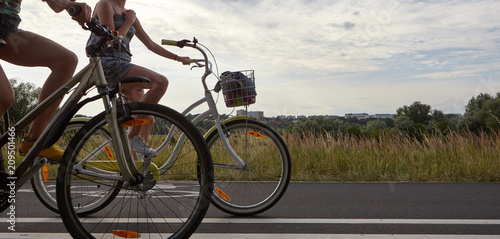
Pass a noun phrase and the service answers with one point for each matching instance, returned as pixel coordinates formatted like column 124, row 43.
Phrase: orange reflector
column 125, row 234
column 134, row 122
column 45, row 171
column 108, row 152
column 255, row 134
column 222, row 194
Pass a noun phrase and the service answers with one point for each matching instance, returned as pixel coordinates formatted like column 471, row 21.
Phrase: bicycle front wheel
column 261, row 184
column 162, row 203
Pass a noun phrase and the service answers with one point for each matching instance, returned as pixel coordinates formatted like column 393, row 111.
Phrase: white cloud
column 315, row 57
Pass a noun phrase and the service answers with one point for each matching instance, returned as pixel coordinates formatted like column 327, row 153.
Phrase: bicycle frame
column 212, row 111
column 90, row 75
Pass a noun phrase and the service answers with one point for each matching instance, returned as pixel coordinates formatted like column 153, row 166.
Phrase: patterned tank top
column 111, row 52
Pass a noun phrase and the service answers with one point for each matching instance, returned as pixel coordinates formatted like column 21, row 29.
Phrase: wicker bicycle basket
column 238, row 88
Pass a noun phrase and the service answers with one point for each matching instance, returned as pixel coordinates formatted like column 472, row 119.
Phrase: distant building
column 289, row 117
column 383, row 116
column 357, row 115
column 367, row 116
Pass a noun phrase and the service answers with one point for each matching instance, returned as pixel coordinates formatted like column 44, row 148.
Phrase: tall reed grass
column 455, row 157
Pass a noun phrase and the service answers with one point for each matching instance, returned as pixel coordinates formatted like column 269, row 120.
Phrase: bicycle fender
column 80, row 119
column 214, row 128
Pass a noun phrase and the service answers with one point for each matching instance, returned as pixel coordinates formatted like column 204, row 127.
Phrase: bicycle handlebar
column 207, row 64
column 180, row 44
column 169, row 42
column 74, row 10
column 183, row 43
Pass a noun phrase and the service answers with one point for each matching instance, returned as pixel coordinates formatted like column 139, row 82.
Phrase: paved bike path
column 329, row 210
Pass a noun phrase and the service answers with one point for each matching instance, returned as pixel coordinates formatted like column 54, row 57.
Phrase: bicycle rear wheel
column 165, row 204
column 261, row 184
column 4, row 182
column 43, row 182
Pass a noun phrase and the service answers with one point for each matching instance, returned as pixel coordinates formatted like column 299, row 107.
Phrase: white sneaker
column 139, row 146
column 145, row 194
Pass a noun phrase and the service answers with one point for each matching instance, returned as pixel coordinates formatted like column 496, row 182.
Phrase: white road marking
column 284, row 221
column 16, row 235
column 269, row 236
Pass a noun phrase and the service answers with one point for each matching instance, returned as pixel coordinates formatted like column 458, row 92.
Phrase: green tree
column 438, row 116
column 489, row 114
column 443, row 125
column 373, row 127
column 317, row 125
column 418, row 131
column 476, row 104
column 403, row 123
column 354, row 130
column 481, row 113
column 417, row 112
column 26, row 98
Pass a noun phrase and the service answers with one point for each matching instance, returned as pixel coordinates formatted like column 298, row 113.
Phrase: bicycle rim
column 43, row 182
column 263, row 182
column 168, row 205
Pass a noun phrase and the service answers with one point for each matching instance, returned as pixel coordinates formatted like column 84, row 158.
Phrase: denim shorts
column 114, row 69
column 9, row 25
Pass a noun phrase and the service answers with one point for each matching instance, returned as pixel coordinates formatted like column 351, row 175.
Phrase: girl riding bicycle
column 24, row 48
column 117, row 65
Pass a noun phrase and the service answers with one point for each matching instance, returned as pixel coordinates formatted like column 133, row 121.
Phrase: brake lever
column 198, row 65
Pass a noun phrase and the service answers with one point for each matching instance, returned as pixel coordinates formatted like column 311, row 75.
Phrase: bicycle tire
column 5, row 190
column 4, row 195
column 177, row 202
column 258, row 187
column 43, row 181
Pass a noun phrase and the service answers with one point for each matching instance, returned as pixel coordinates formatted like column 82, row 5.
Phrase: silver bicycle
column 99, row 175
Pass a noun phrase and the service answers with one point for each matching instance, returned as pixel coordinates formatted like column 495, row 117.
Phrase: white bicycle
column 252, row 165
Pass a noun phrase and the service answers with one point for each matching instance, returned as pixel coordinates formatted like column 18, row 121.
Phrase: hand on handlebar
column 183, row 59
column 84, row 15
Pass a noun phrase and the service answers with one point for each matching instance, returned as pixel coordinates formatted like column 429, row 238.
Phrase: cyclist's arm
column 60, row 5
column 105, row 12
column 154, row 47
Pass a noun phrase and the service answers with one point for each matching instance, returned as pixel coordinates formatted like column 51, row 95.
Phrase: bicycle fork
column 223, row 136
column 119, row 136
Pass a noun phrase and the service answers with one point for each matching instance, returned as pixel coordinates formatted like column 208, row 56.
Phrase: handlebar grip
column 191, row 61
column 74, row 10
column 169, row 42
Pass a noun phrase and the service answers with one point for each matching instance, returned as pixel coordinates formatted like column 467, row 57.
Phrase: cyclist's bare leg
column 6, row 93
column 156, row 90
column 32, row 50
column 135, row 93
column 157, row 87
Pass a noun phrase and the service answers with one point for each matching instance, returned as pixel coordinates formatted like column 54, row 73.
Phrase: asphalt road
column 328, row 210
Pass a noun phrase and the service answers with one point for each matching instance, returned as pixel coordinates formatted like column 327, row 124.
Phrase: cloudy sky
column 313, row 57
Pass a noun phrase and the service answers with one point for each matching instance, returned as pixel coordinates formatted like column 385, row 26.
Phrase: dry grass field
column 455, row 157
